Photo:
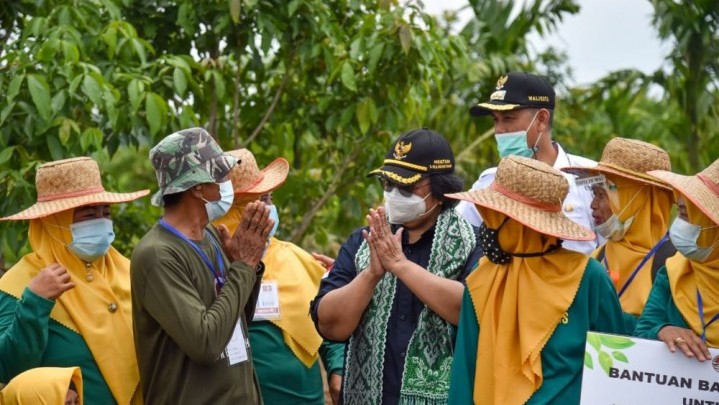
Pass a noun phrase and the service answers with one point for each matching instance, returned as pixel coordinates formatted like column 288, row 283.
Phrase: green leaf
column 588, row 362
column 40, row 93
column 139, row 49
column 6, row 154
column 594, row 341
column 374, row 56
column 619, row 356
column 235, row 10
column 58, row 101
column 14, row 87
column 219, row 84
column 362, row 114
column 135, row 90
column 91, row 88
column 250, row 3
column 91, row 137
column 605, row 360
column 65, row 130
column 180, row 81
column 155, row 111
column 75, row 83
column 110, row 39
column 348, row 76
column 6, row 111
column 616, row 342
column 405, row 37
column 70, row 52
column 292, row 7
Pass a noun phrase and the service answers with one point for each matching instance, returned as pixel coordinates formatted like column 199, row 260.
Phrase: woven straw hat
column 631, row 159
column 70, row 183
column 532, row 193
column 247, row 178
column 702, row 190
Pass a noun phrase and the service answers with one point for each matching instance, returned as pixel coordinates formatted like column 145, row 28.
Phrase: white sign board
column 621, row 370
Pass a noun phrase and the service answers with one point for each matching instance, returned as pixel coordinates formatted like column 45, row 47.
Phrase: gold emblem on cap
column 502, row 80
column 401, row 150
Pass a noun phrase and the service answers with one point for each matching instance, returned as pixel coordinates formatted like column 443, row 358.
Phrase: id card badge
column 236, row 350
column 268, row 302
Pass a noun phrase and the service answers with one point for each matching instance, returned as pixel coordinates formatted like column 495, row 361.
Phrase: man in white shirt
column 522, row 107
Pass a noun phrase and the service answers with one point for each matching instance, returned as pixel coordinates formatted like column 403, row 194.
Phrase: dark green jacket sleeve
column 461, row 385
column 25, row 326
column 659, row 310
column 201, row 332
column 333, row 357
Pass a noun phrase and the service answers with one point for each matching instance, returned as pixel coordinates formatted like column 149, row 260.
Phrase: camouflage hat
column 187, row 158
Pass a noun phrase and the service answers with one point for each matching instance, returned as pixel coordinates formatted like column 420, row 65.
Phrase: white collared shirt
column 576, row 206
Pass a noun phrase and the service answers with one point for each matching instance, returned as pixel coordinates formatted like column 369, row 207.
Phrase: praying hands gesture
column 250, row 239
column 385, row 247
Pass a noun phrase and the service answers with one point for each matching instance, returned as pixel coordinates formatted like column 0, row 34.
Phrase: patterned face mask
column 489, row 241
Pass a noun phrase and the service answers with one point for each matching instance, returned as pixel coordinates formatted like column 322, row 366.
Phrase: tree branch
column 329, row 191
column 273, row 105
column 466, row 151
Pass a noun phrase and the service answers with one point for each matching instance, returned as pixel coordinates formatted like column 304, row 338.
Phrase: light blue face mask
column 218, row 209
column 91, row 239
column 684, row 236
column 274, row 216
column 515, row 143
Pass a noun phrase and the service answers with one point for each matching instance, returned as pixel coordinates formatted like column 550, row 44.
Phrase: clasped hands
column 385, row 247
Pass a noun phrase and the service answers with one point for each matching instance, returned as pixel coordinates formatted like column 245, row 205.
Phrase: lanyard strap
column 641, row 264
column 705, row 325
column 219, row 278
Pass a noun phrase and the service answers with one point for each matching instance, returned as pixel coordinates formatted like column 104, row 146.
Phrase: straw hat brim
column 45, row 208
column 273, row 176
column 619, row 171
column 692, row 188
column 546, row 222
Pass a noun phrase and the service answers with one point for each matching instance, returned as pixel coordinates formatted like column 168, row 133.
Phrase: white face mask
column 218, row 209
column 613, row 229
column 402, row 209
column 684, row 236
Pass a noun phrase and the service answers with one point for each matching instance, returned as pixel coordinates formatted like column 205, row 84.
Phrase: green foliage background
column 326, row 85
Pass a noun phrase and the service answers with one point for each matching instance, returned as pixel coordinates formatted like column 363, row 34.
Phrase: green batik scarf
column 427, row 367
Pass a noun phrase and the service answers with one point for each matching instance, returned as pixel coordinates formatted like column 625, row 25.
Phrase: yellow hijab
column 685, row 276
column 42, row 386
column 518, row 306
column 651, row 209
column 84, row 309
column 298, row 277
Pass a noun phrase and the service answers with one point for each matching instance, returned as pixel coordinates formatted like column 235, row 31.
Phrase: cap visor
column 546, row 222
column 398, row 175
column 482, row 109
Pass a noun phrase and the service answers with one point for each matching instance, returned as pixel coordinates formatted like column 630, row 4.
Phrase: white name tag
column 237, row 347
column 268, row 302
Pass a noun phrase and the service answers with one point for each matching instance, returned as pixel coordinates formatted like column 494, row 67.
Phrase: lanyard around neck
column 219, row 277
column 705, row 325
column 641, row 264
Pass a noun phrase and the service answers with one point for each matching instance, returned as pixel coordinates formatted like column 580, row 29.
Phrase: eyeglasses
column 405, row 190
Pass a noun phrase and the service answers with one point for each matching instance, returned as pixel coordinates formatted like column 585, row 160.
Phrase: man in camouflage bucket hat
column 188, row 158
column 193, row 285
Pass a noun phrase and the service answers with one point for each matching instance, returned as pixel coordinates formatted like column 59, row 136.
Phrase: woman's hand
column 686, row 340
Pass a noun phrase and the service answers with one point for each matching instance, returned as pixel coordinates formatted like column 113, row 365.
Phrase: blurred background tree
column 327, row 85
